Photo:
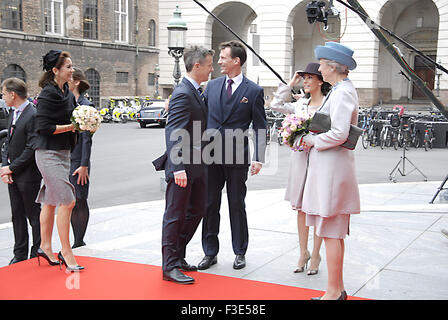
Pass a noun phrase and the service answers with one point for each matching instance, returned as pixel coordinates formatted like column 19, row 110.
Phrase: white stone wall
column 274, row 20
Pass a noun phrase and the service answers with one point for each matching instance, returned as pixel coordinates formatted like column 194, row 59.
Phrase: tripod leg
column 392, row 178
column 439, row 189
column 426, row 178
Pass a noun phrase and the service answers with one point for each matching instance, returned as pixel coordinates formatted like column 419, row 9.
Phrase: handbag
column 321, row 123
column 159, row 163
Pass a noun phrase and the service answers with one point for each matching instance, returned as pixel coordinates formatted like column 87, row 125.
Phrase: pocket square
column 244, row 100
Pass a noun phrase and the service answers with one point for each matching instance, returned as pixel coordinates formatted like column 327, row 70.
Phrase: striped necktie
column 201, row 93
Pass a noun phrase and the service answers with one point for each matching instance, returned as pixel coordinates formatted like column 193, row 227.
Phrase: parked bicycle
column 429, row 137
column 274, row 123
column 370, row 124
column 386, row 136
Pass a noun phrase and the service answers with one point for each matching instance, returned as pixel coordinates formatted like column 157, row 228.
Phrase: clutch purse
column 159, row 163
column 321, row 123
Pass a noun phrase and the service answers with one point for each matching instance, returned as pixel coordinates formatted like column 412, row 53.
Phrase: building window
column 121, row 20
column 122, row 77
column 54, row 16
column 151, row 79
column 152, row 33
column 13, row 71
column 90, row 19
column 11, row 14
column 94, row 92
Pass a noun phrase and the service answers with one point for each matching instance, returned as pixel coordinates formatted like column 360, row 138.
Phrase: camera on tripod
column 315, row 11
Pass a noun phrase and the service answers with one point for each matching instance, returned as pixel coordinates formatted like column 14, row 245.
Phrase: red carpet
column 115, row 280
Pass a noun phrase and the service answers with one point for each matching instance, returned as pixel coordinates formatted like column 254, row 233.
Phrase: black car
column 153, row 111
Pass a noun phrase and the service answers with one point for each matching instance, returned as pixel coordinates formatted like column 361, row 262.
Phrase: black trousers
column 234, row 177
column 23, row 207
column 184, row 209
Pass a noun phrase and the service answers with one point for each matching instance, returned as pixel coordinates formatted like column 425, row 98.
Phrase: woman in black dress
column 80, row 164
column 55, row 140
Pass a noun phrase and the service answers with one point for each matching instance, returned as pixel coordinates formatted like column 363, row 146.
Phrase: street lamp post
column 177, row 29
column 156, row 71
column 438, row 74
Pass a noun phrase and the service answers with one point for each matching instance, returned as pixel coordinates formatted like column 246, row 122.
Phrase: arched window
column 152, row 33
column 13, row 71
column 11, row 14
column 94, row 92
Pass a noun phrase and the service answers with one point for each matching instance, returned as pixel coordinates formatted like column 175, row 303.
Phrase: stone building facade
column 280, row 32
column 114, row 42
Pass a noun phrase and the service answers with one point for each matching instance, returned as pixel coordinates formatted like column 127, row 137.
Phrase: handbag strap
column 325, row 100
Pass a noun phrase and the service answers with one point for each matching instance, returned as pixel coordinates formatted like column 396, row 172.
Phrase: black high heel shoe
column 343, row 296
column 41, row 253
column 67, row 267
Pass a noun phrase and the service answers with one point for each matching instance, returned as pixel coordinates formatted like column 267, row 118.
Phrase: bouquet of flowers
column 86, row 118
column 294, row 126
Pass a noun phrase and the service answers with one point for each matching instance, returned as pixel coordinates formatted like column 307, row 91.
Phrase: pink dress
column 299, row 160
column 331, row 191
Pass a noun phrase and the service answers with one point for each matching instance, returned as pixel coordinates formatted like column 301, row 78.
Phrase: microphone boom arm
column 356, row 7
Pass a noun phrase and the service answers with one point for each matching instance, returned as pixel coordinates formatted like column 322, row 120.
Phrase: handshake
column 6, row 175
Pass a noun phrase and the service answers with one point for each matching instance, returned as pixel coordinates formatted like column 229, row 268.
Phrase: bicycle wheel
column 374, row 138
column 426, row 142
column 406, row 141
column 279, row 139
column 400, row 139
column 388, row 139
column 383, row 138
column 416, row 140
column 395, row 140
column 365, row 139
column 268, row 135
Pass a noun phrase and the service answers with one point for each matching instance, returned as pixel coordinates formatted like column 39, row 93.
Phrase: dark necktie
column 14, row 120
column 201, row 93
column 229, row 88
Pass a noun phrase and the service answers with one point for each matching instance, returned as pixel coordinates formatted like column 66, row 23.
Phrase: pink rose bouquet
column 293, row 127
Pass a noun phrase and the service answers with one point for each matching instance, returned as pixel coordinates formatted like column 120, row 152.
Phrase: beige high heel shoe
column 300, row 269
column 312, row 272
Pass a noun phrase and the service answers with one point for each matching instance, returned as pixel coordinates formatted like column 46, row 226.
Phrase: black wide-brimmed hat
column 311, row 68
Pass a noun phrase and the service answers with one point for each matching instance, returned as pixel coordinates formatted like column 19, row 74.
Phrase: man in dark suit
column 19, row 169
column 234, row 102
column 184, row 169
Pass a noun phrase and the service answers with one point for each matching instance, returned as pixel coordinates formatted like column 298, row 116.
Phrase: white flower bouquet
column 86, row 118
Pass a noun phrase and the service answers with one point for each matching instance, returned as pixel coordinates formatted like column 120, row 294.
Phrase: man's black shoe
column 207, row 262
column 185, row 266
column 240, row 262
column 177, row 276
column 16, row 259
